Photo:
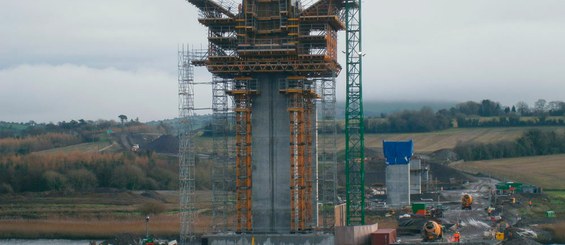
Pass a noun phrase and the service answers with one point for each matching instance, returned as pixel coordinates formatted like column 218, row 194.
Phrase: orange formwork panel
column 242, row 96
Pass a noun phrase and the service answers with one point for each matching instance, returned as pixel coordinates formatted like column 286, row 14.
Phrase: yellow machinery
column 466, row 201
column 499, row 236
column 432, row 231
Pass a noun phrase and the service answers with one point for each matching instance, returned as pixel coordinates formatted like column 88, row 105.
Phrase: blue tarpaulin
column 398, row 152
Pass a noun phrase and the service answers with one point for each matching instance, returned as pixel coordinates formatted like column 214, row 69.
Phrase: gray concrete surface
column 415, row 176
column 271, row 159
column 398, row 185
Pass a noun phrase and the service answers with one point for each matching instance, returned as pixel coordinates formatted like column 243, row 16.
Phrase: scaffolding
column 222, row 166
column 327, row 157
column 296, row 40
column 186, row 144
column 272, row 36
column 243, row 89
column 301, row 94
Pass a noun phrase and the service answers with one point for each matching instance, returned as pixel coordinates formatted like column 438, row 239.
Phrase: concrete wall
column 415, row 176
column 271, row 159
column 275, row 239
column 398, row 185
column 354, row 235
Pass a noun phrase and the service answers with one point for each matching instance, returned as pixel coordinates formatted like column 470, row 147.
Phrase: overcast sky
column 78, row 59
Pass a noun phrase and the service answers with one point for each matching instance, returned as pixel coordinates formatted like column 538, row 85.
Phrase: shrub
column 82, row 180
column 127, row 177
column 55, row 181
column 6, row 188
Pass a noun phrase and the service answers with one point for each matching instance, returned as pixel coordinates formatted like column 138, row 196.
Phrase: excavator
column 432, row 231
column 466, row 201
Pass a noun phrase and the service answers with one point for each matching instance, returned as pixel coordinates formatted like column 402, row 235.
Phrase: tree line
column 82, row 172
column 25, row 145
column 533, row 143
column 486, row 113
column 88, row 130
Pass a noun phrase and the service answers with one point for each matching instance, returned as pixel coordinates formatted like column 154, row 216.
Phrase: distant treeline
column 86, row 130
column 25, row 145
column 532, row 143
column 424, row 120
column 86, row 172
column 469, row 114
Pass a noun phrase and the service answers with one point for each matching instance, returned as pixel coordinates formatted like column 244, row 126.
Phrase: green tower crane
column 354, row 135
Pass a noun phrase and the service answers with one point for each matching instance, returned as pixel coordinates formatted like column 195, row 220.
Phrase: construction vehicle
column 432, row 231
column 466, row 201
column 502, row 231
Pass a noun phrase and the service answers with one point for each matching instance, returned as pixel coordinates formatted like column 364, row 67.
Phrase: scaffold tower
column 327, row 147
column 223, row 178
column 186, row 144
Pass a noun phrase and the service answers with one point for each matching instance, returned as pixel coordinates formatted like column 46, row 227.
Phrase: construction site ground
column 476, row 226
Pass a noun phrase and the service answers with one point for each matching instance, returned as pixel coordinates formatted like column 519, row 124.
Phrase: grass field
column 94, row 215
column 83, row 147
column 446, row 139
column 69, row 228
column 543, row 171
column 423, row 142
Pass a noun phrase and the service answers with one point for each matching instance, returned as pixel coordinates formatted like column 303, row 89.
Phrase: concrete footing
column 269, row 239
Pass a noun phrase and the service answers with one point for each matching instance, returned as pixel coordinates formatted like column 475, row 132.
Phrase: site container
column 417, row 207
column 383, row 237
column 515, row 186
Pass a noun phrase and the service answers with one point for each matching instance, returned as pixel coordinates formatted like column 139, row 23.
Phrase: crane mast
column 354, row 129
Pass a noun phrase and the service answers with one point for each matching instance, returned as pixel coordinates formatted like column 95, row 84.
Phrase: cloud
column 72, row 59
column 465, row 50
column 125, row 34
column 65, row 92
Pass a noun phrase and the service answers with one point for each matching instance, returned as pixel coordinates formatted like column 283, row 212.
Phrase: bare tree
column 523, row 108
column 540, row 106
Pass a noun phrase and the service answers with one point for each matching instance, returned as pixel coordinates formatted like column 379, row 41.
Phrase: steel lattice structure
column 354, row 129
column 186, row 145
column 327, row 145
column 223, row 180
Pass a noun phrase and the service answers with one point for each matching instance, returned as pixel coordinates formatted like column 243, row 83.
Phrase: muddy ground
column 475, row 225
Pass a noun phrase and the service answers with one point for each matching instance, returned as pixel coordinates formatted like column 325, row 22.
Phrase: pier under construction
column 274, row 66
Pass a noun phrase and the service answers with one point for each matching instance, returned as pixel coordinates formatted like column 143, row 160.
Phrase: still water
column 44, row 242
